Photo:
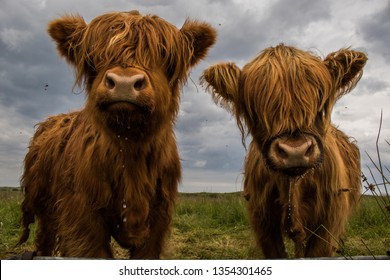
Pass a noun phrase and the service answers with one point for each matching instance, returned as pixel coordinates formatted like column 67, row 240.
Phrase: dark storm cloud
column 199, row 125
column 153, row 3
column 296, row 14
column 35, row 88
column 33, row 79
column 242, row 35
column 35, row 82
column 376, row 31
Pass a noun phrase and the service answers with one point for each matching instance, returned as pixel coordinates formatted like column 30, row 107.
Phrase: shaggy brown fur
column 112, row 169
column 302, row 174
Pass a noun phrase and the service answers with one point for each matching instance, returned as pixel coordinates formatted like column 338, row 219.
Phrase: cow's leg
column 153, row 246
column 266, row 218
column 89, row 244
column 299, row 250
column 295, row 230
column 160, row 220
column 269, row 237
column 272, row 245
column 268, row 230
column 320, row 244
column 83, row 232
column 45, row 236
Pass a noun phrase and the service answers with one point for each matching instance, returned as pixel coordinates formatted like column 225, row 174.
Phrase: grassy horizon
column 215, row 226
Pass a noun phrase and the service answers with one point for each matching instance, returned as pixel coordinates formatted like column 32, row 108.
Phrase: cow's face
column 132, row 67
column 285, row 97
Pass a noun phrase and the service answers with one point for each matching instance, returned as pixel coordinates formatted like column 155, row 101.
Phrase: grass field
column 215, row 226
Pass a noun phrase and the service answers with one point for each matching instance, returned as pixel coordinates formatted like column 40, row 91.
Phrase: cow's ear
column 221, row 80
column 67, row 32
column 201, row 36
column 346, row 68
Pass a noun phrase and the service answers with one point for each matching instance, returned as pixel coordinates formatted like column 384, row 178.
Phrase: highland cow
column 112, row 169
column 301, row 173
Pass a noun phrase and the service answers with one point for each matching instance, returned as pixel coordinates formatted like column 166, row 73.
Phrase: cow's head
column 285, row 97
column 132, row 66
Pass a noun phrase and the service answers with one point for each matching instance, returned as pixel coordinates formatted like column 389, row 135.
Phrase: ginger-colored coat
column 112, row 169
column 301, row 174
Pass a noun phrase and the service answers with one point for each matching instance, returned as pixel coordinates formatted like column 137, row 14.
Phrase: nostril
column 110, row 83
column 140, row 84
column 310, row 150
column 281, row 152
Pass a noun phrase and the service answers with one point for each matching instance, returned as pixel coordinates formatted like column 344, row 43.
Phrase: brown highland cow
column 302, row 174
column 112, row 169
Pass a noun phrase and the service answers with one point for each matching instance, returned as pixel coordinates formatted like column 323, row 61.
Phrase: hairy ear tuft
column 201, row 36
column 221, row 80
column 346, row 68
column 67, row 32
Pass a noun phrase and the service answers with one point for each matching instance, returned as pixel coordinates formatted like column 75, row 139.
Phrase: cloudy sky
column 36, row 83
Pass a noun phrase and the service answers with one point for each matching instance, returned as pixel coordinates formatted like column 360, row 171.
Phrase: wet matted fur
column 112, row 169
column 284, row 98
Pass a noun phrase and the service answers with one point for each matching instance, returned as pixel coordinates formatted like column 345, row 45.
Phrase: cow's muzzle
column 294, row 154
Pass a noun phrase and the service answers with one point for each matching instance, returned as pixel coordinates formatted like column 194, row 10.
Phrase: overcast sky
column 36, row 83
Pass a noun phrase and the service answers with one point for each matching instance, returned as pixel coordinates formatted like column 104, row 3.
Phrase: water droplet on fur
column 289, row 208
column 119, row 136
column 289, row 196
column 124, row 205
column 125, row 138
column 125, row 220
column 117, row 226
column 120, row 150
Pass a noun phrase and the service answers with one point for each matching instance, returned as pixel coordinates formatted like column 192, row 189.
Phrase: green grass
column 368, row 231
column 211, row 226
column 215, row 226
column 10, row 200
